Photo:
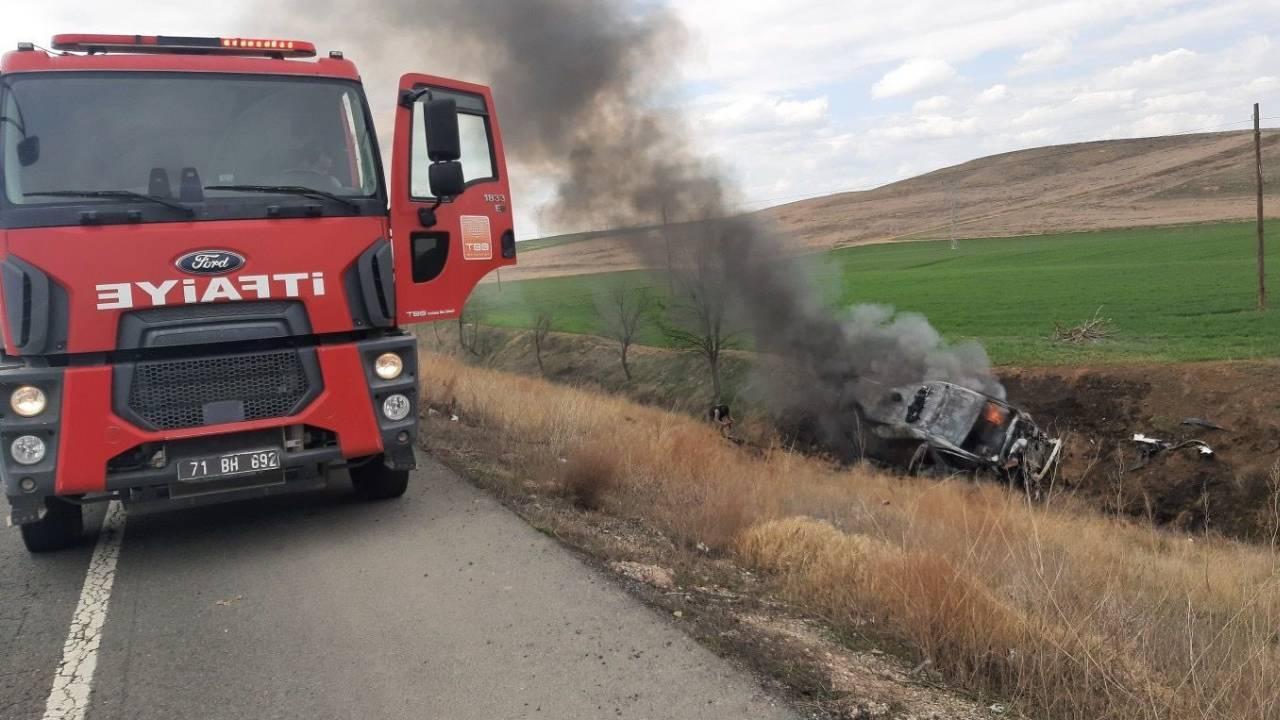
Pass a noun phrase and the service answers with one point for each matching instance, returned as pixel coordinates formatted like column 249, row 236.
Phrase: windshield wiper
column 124, row 194
column 302, row 190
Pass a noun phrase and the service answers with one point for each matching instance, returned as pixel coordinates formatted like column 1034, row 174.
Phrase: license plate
column 219, row 466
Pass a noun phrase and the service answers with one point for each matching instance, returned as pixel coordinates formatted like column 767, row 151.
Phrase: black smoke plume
column 579, row 86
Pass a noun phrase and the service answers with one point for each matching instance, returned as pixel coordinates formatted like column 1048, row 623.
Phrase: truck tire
column 373, row 480
column 61, row 527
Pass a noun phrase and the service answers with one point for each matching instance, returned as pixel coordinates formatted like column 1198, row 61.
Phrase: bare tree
column 470, row 329
column 696, row 319
column 541, row 329
column 623, row 313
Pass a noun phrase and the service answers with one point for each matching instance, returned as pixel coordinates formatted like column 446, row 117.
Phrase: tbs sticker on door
column 477, row 240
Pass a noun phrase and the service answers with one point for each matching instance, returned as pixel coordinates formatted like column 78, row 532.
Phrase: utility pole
column 951, row 191
column 1257, row 155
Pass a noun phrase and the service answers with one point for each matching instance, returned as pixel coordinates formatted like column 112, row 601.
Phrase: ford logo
column 210, row 262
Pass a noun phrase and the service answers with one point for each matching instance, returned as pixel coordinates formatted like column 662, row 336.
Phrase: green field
column 556, row 240
column 1173, row 293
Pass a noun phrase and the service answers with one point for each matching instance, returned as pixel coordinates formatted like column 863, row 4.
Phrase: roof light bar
column 273, row 47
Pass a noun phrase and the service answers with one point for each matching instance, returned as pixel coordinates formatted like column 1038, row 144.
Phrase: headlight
column 27, row 449
column 388, row 366
column 396, row 407
column 28, row 401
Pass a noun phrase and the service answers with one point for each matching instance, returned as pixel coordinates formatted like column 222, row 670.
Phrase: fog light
column 27, row 484
column 27, row 449
column 28, row 401
column 388, row 366
column 396, row 407
column 402, row 438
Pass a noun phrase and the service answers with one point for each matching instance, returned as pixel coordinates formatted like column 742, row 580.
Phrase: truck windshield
column 170, row 135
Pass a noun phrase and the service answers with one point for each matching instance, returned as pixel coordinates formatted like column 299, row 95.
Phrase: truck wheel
column 60, row 528
column 375, row 481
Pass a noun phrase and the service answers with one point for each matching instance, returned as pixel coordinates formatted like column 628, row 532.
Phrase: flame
column 994, row 414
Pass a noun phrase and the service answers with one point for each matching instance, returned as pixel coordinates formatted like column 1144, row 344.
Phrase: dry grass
column 1066, row 613
column 1092, row 330
column 589, row 475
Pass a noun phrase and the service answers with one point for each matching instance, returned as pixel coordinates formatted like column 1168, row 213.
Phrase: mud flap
column 400, row 457
column 25, row 510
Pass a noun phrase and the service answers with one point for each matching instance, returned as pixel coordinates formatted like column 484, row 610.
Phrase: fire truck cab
column 205, row 277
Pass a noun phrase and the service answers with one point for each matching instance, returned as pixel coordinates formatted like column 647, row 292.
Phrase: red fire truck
column 204, row 277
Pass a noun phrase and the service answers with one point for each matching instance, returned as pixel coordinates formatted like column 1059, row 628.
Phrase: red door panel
column 437, row 267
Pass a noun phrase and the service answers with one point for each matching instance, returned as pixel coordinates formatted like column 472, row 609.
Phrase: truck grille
column 173, row 394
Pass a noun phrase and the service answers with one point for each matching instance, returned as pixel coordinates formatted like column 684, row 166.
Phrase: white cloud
column 1175, row 101
column 1088, row 85
column 1039, row 136
column 927, row 127
column 1266, row 83
column 1101, row 100
column 1167, row 123
column 909, row 169
column 994, row 94
column 913, row 76
column 1157, row 68
column 1053, row 51
column 1033, row 115
column 932, row 104
column 757, row 113
column 1190, row 21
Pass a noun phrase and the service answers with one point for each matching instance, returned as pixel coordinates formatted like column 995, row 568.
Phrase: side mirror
column 441, row 122
column 29, row 150
column 446, row 179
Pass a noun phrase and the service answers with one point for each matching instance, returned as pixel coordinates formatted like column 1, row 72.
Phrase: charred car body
column 942, row 427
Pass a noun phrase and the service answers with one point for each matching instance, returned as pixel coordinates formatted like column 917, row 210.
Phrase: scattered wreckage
column 937, row 426
column 1150, row 447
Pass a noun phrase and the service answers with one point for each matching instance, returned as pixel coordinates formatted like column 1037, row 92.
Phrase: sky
column 801, row 98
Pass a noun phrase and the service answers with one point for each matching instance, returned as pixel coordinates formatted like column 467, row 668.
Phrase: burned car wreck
column 941, row 427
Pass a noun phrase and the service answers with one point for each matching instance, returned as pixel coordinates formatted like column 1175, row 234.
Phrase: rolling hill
column 1084, row 186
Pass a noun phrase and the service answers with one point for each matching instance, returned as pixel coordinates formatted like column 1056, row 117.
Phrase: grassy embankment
column 1174, row 293
column 1064, row 612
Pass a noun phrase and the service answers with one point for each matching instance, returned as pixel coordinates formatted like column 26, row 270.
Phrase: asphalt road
column 442, row 604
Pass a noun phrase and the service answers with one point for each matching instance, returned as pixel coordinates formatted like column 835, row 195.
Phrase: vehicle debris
column 939, row 426
column 1202, row 423
column 1150, row 447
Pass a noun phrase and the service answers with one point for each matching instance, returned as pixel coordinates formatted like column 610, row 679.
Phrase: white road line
column 69, row 697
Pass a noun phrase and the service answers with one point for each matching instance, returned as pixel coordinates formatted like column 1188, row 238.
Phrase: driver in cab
column 317, row 165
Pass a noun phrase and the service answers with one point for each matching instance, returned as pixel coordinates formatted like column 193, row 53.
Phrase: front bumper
column 83, row 432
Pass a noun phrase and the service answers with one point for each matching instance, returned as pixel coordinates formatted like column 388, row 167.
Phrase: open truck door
column 451, row 219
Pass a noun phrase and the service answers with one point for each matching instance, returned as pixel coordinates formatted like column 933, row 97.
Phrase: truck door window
column 9, row 137
column 476, row 140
